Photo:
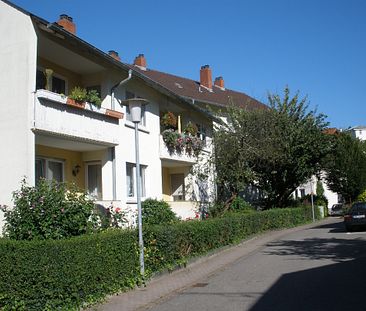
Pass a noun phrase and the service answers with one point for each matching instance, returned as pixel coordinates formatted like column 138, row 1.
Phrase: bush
column 240, row 205
column 50, row 210
column 156, row 212
column 66, row 274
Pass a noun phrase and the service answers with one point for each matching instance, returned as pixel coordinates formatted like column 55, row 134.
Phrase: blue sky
column 317, row 47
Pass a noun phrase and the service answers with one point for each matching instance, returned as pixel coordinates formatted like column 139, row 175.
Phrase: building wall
column 18, row 46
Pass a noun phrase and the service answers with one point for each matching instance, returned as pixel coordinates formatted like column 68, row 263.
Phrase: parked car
column 355, row 217
column 336, row 209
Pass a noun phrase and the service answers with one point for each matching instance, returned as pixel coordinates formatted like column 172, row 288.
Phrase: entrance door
column 178, row 189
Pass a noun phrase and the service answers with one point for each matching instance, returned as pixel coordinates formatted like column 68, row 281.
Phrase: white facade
column 43, row 136
column 358, row 132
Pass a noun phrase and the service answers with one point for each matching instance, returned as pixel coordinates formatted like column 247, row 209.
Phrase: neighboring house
column 43, row 136
column 357, row 132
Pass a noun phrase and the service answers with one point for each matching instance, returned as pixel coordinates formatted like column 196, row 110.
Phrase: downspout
column 118, row 85
column 113, row 149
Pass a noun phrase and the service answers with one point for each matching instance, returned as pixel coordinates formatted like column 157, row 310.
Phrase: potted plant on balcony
column 169, row 120
column 78, row 97
column 190, row 129
column 94, row 98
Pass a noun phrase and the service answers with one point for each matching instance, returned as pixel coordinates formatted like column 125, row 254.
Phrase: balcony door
column 178, row 188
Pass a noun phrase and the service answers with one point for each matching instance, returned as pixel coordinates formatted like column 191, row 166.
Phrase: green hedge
column 63, row 274
column 66, row 274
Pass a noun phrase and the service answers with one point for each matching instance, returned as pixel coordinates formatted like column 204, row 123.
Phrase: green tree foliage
column 50, row 210
column 274, row 149
column 346, row 167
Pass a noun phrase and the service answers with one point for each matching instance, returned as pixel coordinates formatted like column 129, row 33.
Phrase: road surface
column 313, row 267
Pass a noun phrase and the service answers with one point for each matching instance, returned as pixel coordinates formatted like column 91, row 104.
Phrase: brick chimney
column 66, row 22
column 206, row 77
column 114, row 54
column 219, row 82
column 140, row 61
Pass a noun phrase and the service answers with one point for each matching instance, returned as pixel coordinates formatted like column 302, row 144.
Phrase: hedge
column 67, row 274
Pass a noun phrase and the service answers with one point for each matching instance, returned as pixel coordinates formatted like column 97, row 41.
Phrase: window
column 96, row 88
column 130, row 95
column 49, row 169
column 94, row 180
column 302, row 193
column 201, row 132
column 58, row 84
column 131, row 177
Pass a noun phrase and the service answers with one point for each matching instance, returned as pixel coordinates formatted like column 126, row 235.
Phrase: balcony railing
column 53, row 114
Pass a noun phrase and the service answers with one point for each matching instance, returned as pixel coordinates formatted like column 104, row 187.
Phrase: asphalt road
column 318, row 268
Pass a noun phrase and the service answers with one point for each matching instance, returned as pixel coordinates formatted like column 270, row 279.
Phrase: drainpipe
column 118, row 85
column 113, row 149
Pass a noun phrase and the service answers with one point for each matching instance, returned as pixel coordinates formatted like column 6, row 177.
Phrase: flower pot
column 76, row 104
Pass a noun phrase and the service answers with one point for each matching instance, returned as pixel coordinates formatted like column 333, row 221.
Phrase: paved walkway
column 167, row 285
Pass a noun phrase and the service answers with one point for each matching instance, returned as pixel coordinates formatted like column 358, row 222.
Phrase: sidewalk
column 166, row 285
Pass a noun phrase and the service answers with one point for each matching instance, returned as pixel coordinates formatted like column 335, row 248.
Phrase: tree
column 346, row 167
column 274, row 149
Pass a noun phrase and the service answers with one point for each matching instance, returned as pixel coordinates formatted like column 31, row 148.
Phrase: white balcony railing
column 52, row 114
column 166, row 154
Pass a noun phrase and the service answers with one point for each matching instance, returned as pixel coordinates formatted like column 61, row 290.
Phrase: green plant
column 79, row 94
column 93, row 97
column 50, row 210
column 69, row 273
column 156, row 212
column 362, row 197
column 240, row 205
column 190, row 129
column 169, row 120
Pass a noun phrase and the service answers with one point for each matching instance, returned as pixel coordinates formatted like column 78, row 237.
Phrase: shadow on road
column 339, row 286
column 338, row 249
column 335, row 287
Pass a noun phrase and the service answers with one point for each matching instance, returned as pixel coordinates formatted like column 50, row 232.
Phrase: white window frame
column 45, row 168
column 143, row 169
column 87, row 164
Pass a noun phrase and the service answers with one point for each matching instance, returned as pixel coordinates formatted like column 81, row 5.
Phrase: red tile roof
column 191, row 89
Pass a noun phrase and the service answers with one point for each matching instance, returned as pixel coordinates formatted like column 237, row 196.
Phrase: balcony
column 52, row 114
column 173, row 155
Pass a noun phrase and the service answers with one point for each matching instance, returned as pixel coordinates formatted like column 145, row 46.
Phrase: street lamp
column 135, row 105
column 312, row 198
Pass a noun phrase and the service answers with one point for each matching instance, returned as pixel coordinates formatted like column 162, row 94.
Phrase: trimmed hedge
column 66, row 274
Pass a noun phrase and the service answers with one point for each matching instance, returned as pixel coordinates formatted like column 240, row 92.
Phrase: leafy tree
column 273, row 149
column 346, row 167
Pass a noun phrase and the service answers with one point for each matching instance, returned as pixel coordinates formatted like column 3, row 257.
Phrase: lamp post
column 135, row 105
column 312, row 198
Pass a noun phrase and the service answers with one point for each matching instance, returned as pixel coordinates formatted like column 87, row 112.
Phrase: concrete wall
column 18, row 46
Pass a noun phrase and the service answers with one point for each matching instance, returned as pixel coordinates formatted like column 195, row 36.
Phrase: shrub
column 156, row 212
column 50, row 210
column 66, row 274
column 240, row 205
